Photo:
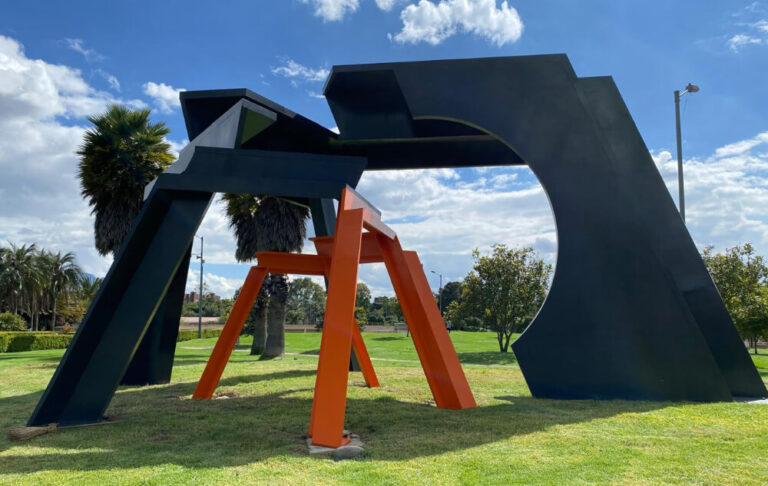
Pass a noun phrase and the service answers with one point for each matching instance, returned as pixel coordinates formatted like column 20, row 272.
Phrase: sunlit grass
column 161, row 436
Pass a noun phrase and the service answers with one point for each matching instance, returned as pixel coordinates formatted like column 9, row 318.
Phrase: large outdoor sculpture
column 632, row 312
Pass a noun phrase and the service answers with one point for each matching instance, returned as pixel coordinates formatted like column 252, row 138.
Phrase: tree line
column 506, row 288
column 42, row 287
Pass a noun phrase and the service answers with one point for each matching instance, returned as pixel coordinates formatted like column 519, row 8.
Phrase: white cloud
column 40, row 198
column 176, row 146
column 333, row 10
column 753, row 26
column 432, row 22
column 739, row 41
column 742, row 146
column 443, row 217
column 726, row 194
column 109, row 78
column 78, row 45
column 165, row 97
column 222, row 286
column 387, row 5
column 293, row 70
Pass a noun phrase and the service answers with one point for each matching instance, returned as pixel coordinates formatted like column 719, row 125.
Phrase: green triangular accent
column 253, row 124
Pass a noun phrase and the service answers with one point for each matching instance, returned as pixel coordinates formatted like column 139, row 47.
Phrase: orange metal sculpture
column 338, row 257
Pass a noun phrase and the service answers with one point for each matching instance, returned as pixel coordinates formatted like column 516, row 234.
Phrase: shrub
column 67, row 329
column 187, row 335
column 12, row 322
column 14, row 342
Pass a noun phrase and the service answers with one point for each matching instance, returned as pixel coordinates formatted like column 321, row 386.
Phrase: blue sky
column 60, row 61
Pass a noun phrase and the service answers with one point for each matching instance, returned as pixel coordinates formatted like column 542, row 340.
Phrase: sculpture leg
column 328, row 406
column 364, row 360
column 232, row 329
column 324, row 221
column 433, row 344
column 153, row 362
column 106, row 341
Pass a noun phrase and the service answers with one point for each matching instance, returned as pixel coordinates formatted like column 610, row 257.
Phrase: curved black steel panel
column 632, row 312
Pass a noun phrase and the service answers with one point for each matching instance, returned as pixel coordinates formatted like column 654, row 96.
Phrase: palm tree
column 87, row 288
column 120, row 155
column 20, row 276
column 62, row 277
column 268, row 224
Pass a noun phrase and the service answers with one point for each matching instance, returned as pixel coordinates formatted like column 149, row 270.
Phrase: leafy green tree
column 121, row 153
column 12, row 322
column 306, row 301
column 385, row 309
column 361, row 316
column 506, row 289
column 363, row 298
column 741, row 276
column 451, row 293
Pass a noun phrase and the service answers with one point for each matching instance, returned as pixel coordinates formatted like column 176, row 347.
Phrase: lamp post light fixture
column 691, row 88
column 440, row 292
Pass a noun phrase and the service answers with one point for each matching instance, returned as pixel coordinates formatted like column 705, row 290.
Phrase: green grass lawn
column 161, row 436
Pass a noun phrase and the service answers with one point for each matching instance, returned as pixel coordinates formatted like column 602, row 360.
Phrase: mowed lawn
column 161, row 436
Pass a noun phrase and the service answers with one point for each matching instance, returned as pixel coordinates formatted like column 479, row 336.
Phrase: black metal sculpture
column 632, row 312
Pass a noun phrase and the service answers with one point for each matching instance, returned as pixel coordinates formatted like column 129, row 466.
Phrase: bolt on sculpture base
column 632, row 312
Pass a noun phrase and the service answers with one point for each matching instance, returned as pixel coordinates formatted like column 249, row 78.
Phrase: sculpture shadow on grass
column 160, row 425
column 488, row 358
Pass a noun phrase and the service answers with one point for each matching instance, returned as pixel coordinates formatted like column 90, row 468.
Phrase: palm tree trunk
column 53, row 317
column 260, row 321
column 278, row 294
column 259, row 329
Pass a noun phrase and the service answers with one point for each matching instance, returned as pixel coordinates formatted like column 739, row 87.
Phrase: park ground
column 162, row 436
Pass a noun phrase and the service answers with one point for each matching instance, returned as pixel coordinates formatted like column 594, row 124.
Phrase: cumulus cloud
column 387, row 5
column 42, row 106
column 224, row 287
column 165, row 97
column 78, row 45
column 295, row 71
column 753, row 26
column 333, row 10
column 432, row 22
column 726, row 193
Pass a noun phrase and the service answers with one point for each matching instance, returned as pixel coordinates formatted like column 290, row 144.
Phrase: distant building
column 192, row 297
column 195, row 297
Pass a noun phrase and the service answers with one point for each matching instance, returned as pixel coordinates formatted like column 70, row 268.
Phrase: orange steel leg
column 328, row 406
column 234, row 325
column 366, row 367
column 433, row 344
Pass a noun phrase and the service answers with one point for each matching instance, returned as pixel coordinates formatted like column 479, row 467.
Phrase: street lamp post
column 200, row 298
column 440, row 292
column 691, row 88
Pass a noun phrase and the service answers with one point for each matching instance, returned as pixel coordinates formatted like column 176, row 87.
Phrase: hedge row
column 186, row 335
column 13, row 342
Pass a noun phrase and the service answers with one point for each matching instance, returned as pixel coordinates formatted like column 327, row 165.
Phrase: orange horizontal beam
column 370, row 251
column 276, row 262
